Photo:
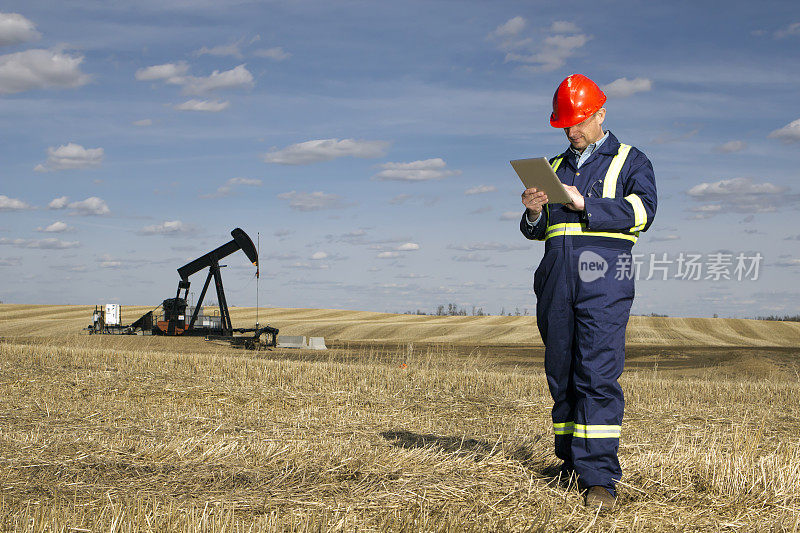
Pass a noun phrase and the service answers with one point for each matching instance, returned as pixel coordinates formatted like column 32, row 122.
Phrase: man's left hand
column 577, row 198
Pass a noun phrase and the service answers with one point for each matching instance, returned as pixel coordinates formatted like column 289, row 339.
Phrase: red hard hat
column 575, row 100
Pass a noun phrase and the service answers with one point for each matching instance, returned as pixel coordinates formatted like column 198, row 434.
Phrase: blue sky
column 368, row 144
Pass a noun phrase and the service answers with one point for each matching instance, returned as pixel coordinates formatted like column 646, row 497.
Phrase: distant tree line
column 454, row 310
column 785, row 318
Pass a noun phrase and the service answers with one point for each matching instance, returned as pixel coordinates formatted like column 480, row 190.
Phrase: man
column 584, row 284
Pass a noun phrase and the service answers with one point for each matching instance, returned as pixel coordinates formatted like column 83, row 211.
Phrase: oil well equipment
column 178, row 318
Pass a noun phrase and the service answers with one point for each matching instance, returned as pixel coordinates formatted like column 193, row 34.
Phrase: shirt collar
column 589, row 150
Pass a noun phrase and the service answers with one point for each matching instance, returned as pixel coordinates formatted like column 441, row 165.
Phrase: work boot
column 598, row 496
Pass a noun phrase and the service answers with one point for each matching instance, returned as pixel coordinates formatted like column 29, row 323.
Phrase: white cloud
column 252, row 182
column 40, row 69
column 670, row 237
column 488, row 246
column 56, row 227
column 10, row 261
column 43, row 244
column 481, row 189
column 308, row 266
column 396, row 251
column 511, row 28
column 325, row 150
column 623, row 87
column 318, row 256
column 790, row 30
column 400, row 198
column 58, row 203
column 738, row 196
column 790, row 133
column 412, row 275
column 12, row 204
column 221, row 192
column 170, row 228
column 313, row 201
column 276, row 52
column 106, row 261
column 564, row 39
column 733, row 187
column 706, row 208
column 227, row 189
column 144, row 122
column 91, row 206
column 211, row 106
column 236, row 78
column 178, row 74
column 169, row 72
column 15, row 29
column 428, row 169
column 470, row 258
column 729, row 147
column 70, row 156
column 223, row 50
column 553, row 54
column 562, row 26
column 511, row 215
column 355, row 237
column 69, row 268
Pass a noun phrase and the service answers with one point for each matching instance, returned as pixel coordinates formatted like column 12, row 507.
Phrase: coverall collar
column 609, row 147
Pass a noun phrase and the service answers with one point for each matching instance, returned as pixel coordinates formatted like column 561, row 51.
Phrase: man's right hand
column 534, row 200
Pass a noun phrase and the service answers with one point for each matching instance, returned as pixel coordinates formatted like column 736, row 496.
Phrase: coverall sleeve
column 536, row 231
column 637, row 207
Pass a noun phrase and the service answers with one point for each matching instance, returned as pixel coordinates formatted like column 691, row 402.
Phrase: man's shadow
column 539, row 464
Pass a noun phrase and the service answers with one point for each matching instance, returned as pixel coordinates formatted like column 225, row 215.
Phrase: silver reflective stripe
column 597, row 431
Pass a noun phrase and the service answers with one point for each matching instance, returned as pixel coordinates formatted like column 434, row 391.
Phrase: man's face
column 587, row 132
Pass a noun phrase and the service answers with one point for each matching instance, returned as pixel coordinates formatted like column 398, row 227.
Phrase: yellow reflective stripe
column 563, row 225
column 640, row 215
column 596, row 431
column 563, row 428
column 610, row 181
column 573, row 228
column 557, row 163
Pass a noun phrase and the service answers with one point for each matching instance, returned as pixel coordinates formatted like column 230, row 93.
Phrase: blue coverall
column 584, row 289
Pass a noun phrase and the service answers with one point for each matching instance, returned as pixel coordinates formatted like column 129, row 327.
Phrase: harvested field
column 341, row 325
column 158, row 434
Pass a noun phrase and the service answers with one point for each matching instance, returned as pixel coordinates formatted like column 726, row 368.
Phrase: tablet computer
column 537, row 172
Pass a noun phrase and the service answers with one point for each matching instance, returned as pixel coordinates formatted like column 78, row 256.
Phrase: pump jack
column 176, row 307
column 215, row 328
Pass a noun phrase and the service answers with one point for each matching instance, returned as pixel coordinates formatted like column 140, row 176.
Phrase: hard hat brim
column 568, row 123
